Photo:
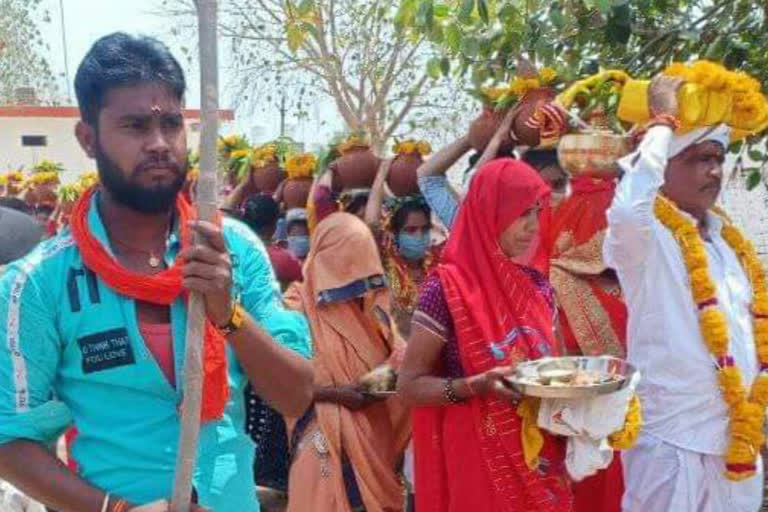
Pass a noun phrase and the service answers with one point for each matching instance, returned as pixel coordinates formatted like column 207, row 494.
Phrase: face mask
column 412, row 247
column 299, row 245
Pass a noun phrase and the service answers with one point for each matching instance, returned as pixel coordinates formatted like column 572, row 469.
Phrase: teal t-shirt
column 71, row 353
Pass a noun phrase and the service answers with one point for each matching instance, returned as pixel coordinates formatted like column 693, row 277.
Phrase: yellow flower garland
column 45, row 177
column 88, row 179
column 626, row 438
column 353, row 142
column 520, row 86
column 547, row 75
column 410, row 146
column 746, row 410
column 264, row 155
column 300, row 166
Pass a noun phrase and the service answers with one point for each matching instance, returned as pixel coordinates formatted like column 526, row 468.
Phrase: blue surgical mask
column 412, row 247
column 299, row 245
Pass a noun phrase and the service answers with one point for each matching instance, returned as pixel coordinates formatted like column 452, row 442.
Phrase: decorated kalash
column 67, row 196
column 11, row 183
column 406, row 247
column 694, row 288
column 249, row 170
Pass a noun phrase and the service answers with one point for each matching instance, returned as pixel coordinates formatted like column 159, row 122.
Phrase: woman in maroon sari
column 486, row 307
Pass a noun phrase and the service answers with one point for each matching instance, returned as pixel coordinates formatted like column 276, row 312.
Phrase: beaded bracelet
column 450, row 393
column 666, row 120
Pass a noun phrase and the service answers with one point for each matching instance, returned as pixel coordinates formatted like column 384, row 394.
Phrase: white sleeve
column 631, row 216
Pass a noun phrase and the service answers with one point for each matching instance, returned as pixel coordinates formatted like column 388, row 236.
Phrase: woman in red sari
column 593, row 316
column 484, row 309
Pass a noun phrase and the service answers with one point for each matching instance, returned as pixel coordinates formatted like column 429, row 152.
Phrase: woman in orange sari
column 349, row 444
column 486, row 308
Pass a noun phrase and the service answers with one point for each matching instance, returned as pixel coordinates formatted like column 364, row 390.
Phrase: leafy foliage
column 381, row 80
column 482, row 39
column 22, row 50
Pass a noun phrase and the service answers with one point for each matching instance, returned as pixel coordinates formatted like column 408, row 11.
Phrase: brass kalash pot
column 593, row 152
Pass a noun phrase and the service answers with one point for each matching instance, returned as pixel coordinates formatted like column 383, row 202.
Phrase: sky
column 87, row 20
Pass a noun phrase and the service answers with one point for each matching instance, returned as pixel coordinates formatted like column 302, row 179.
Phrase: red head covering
column 287, row 267
column 503, row 313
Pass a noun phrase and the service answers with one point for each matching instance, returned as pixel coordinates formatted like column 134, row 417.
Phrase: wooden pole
column 206, row 206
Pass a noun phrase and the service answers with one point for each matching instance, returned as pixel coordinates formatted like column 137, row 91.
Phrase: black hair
column 401, row 214
column 541, row 158
column 261, row 212
column 119, row 60
column 301, row 222
column 15, row 203
column 44, row 208
column 354, row 201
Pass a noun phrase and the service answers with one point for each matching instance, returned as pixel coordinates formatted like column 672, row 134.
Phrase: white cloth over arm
column 587, row 424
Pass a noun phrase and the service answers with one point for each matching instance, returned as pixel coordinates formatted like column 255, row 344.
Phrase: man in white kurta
column 678, row 463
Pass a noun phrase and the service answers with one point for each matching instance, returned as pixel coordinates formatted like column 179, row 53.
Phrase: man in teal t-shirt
column 75, row 351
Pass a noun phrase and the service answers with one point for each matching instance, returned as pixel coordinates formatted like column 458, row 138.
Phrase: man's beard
column 150, row 200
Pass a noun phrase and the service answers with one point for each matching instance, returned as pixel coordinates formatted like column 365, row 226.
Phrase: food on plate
column 380, row 380
column 561, row 377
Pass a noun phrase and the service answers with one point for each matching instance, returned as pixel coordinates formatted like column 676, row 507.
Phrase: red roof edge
column 73, row 112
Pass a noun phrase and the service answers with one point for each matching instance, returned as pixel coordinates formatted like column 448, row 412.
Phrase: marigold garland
column 13, row 181
column 746, row 408
column 518, row 87
column 408, row 147
column 355, row 141
column 300, row 166
column 626, row 438
column 40, row 178
column 264, row 155
column 734, row 95
column 88, row 179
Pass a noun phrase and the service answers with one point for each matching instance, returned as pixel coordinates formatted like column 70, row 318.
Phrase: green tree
column 482, row 39
column 347, row 50
column 23, row 50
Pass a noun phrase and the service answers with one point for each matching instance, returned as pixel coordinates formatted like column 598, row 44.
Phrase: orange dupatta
column 162, row 288
column 347, row 345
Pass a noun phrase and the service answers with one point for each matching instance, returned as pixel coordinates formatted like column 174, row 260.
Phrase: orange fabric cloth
column 162, row 288
column 348, row 343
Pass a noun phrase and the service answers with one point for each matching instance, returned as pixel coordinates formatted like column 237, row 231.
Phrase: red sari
column 500, row 316
column 593, row 316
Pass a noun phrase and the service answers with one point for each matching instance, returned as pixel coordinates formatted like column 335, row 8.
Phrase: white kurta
column 682, row 405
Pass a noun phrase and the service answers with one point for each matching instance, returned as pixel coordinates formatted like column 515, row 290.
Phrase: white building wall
column 749, row 210
column 62, row 146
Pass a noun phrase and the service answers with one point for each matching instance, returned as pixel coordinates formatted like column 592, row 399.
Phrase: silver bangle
column 105, row 504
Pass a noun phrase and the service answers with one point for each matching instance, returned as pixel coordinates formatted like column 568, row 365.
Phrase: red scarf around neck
column 162, row 289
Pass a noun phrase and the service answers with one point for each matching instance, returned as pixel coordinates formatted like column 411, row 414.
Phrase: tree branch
column 406, row 108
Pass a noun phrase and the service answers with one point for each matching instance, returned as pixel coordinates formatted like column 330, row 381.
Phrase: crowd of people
column 442, row 292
